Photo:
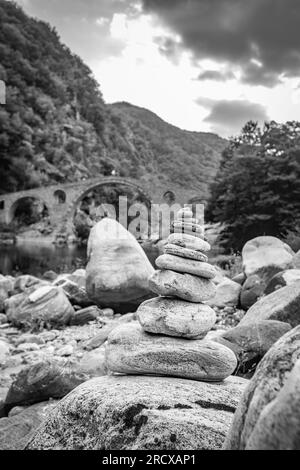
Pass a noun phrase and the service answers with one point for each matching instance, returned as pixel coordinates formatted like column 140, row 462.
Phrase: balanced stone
column 185, row 252
column 188, row 241
column 130, row 350
column 190, row 220
column 173, row 317
column 184, row 286
column 181, row 226
column 189, row 266
column 185, row 213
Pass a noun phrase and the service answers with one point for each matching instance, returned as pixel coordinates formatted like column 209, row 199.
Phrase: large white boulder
column 118, row 269
column 266, row 256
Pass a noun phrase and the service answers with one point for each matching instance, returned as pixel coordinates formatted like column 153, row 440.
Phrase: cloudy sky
column 204, row 65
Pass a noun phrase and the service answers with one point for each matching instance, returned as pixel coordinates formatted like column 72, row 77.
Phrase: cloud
column 84, row 25
column 215, row 75
column 260, row 36
column 228, row 117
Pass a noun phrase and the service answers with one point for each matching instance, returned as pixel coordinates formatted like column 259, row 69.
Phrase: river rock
column 7, row 284
column 4, row 352
column 79, row 277
column 50, row 276
column 183, row 226
column 47, row 305
column 28, row 338
column 102, row 336
column 257, row 337
column 188, row 241
column 185, row 253
column 51, row 378
column 278, row 426
column 76, row 294
column 265, row 386
column 184, row 286
column 227, row 294
column 118, row 268
column 141, row 413
column 6, row 289
column 173, row 317
column 240, row 278
column 282, row 279
column 252, row 289
column 84, row 316
column 130, row 350
column 182, row 265
column 16, row 430
column 266, row 256
column 3, row 319
column 27, row 283
column 282, row 305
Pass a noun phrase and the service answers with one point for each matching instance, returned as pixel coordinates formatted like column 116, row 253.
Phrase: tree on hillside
column 257, row 190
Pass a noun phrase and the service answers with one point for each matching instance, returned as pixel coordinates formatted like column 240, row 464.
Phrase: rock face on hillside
column 118, row 269
column 131, row 413
column 268, row 414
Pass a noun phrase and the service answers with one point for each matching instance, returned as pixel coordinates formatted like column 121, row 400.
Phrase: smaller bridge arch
column 32, row 200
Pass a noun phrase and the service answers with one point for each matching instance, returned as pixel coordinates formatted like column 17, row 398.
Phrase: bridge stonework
column 62, row 200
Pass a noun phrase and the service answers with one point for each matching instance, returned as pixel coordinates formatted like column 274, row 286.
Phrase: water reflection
column 36, row 258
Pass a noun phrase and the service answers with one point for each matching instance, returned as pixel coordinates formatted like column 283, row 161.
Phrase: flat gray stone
column 130, row 350
column 187, row 226
column 184, row 286
column 173, row 317
column 188, row 241
column 185, row 253
column 141, row 413
column 189, row 266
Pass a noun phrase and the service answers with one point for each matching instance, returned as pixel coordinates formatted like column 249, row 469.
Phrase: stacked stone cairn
column 170, row 336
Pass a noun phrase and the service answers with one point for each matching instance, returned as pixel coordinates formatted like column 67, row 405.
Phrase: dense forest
column 257, row 190
column 56, row 127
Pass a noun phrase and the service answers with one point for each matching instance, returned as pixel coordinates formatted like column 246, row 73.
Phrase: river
column 36, row 258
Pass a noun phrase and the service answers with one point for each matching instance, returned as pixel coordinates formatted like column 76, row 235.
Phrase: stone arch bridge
column 62, row 200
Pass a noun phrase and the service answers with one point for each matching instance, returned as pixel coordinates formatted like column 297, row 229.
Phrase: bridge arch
column 113, row 181
column 32, row 199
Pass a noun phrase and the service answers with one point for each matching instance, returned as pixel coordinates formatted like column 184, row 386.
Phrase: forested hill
column 55, row 126
column 183, row 157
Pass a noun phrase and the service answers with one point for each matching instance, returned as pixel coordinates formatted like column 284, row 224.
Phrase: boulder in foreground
column 134, row 413
column 118, row 269
column 271, row 381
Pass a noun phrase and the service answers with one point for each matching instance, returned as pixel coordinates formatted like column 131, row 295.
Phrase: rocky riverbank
column 54, row 336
